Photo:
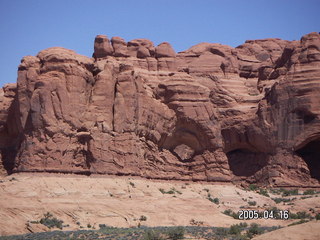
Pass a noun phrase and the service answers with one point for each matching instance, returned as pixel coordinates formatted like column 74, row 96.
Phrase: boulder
column 164, row 50
column 120, row 47
column 102, row 47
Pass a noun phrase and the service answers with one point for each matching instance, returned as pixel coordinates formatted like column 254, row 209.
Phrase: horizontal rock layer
column 210, row 113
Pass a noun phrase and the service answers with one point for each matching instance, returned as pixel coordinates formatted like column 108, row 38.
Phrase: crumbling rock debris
column 210, row 113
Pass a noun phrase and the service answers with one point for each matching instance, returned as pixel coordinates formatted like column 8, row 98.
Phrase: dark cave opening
column 8, row 155
column 243, row 162
column 305, row 115
column 310, row 153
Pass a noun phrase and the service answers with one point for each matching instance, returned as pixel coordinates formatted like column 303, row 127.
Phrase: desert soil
column 120, row 201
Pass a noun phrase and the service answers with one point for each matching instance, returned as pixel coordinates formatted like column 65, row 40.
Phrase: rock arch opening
column 245, row 163
column 310, row 153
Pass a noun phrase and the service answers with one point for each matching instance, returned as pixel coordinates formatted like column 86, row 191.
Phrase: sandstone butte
column 212, row 113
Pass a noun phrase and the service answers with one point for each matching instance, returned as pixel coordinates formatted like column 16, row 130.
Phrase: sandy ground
column 305, row 231
column 121, row 201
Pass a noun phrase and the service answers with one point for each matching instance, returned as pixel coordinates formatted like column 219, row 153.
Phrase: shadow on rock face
column 245, row 163
column 7, row 158
column 310, row 153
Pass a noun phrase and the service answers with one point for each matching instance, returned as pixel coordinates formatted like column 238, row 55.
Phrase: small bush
column 299, row 222
column 284, row 192
column 289, row 192
column 231, row 213
column 132, row 184
column 152, row 235
column 279, row 200
column 309, row 192
column 305, row 197
column 235, row 229
column 299, row 215
column 50, row 221
column 264, row 192
column 196, row 223
column 254, row 230
column 176, row 233
column 252, row 203
column 302, row 215
column 34, row 222
column 243, row 225
column 214, row 200
column 221, row 232
column 318, row 216
column 171, row 191
column 143, row 218
column 89, row 225
column 253, row 187
column 228, row 212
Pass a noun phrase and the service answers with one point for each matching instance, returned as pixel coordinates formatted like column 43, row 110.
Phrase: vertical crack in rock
column 113, row 105
column 137, row 107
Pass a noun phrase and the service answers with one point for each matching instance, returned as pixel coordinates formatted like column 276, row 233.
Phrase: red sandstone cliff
column 212, row 112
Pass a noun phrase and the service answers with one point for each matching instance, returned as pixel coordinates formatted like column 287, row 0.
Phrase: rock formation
column 210, row 113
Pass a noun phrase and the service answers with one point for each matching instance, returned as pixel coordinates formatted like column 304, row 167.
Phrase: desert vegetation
column 239, row 231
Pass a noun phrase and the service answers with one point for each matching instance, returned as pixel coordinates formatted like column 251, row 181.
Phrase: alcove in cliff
column 243, row 162
column 310, row 153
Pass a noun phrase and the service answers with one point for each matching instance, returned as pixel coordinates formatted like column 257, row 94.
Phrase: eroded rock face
column 211, row 113
column 8, row 132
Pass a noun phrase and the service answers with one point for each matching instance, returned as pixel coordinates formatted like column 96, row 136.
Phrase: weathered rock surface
column 211, row 113
column 7, row 131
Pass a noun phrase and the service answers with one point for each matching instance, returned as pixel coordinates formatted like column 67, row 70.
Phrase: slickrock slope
column 211, row 113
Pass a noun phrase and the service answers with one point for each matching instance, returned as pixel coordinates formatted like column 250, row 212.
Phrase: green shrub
column 279, row 200
column 243, row 225
column 228, row 212
column 253, row 230
column 222, row 232
column 289, row 192
column 309, row 192
column 252, row 203
column 305, row 197
column 152, row 235
column 253, row 187
column 318, row 216
column 299, row 215
column 50, row 221
column 302, row 215
column 264, row 192
column 299, row 222
column 231, row 213
column 143, row 218
column 102, row 226
column 176, row 233
column 34, row 222
column 285, row 192
column 214, row 200
column 171, row 191
column 235, row 229
column 132, row 184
